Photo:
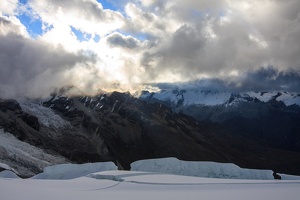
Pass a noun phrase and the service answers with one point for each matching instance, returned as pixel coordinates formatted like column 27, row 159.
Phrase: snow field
column 147, row 186
column 76, row 184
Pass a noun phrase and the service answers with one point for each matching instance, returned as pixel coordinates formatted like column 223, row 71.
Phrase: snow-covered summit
column 212, row 98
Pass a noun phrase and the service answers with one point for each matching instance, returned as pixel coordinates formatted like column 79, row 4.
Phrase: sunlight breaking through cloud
column 134, row 43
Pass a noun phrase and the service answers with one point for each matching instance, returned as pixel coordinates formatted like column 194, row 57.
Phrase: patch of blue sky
column 108, row 4
column 96, row 38
column 81, row 36
column 116, row 5
column 23, row 1
column 33, row 26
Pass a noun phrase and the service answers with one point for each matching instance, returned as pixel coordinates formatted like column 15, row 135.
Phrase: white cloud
column 8, row 7
column 148, row 2
column 152, row 23
column 12, row 25
column 85, row 15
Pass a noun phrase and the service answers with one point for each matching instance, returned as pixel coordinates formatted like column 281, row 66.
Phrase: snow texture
column 71, row 171
column 288, row 99
column 45, row 115
column 200, row 169
column 13, row 150
column 213, row 98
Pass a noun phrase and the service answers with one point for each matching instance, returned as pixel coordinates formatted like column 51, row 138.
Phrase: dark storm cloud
column 32, row 68
column 216, row 39
column 263, row 79
column 271, row 79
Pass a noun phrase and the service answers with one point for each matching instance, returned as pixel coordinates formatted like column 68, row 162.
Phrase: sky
column 130, row 45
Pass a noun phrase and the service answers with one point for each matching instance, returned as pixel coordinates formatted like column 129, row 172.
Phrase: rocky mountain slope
column 120, row 128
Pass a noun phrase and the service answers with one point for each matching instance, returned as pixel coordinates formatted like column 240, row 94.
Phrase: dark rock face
column 31, row 121
column 272, row 123
column 120, row 128
column 9, row 105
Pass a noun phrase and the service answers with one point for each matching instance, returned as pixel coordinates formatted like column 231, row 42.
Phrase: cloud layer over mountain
column 148, row 41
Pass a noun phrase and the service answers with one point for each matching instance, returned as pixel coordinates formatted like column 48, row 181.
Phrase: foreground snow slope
column 23, row 156
column 141, row 185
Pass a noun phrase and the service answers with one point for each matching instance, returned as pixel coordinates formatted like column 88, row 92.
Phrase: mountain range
column 252, row 130
column 272, row 117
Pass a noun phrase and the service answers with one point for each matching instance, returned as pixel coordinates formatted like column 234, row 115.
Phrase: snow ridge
column 213, row 98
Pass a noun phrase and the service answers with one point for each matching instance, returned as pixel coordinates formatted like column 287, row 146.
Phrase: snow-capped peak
column 213, row 98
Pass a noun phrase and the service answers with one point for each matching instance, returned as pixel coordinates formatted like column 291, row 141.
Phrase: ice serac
column 71, row 171
column 200, row 169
